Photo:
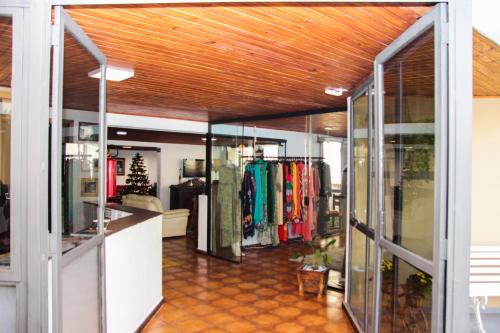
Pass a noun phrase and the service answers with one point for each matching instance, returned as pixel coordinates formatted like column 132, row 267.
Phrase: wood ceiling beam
column 279, row 115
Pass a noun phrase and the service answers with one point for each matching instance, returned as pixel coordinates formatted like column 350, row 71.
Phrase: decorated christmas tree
column 137, row 179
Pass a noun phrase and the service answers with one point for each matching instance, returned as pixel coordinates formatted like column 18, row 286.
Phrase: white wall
column 151, row 161
column 485, row 214
column 133, row 275
column 156, row 124
column 170, row 161
column 485, row 175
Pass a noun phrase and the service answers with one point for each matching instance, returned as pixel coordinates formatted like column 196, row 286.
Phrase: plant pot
column 312, row 281
column 415, row 301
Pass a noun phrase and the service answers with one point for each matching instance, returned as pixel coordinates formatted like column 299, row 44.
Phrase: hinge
column 444, row 249
column 445, row 33
column 52, row 243
column 53, row 34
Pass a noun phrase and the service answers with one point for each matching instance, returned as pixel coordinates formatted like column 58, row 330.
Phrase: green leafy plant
column 419, row 284
column 315, row 255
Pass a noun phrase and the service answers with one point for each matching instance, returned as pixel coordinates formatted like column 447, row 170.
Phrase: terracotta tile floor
column 204, row 294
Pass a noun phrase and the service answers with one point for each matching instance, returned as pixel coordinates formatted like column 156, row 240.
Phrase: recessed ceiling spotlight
column 113, row 73
column 127, row 147
column 205, row 139
column 335, row 91
column 121, row 133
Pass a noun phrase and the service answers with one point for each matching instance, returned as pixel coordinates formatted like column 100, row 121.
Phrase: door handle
column 355, row 223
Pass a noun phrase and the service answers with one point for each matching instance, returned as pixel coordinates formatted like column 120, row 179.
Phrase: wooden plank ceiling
column 486, row 66
column 5, row 51
column 221, row 61
column 212, row 62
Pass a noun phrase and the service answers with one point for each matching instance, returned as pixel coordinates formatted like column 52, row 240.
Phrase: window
column 332, row 153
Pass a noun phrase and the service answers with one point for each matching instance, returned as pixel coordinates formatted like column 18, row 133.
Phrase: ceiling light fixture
column 205, row 139
column 113, row 73
column 127, row 147
column 328, row 128
column 335, row 91
column 121, row 133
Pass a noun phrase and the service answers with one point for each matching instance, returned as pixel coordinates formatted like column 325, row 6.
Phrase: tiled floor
column 204, row 294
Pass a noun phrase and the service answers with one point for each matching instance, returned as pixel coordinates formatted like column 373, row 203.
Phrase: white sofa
column 174, row 221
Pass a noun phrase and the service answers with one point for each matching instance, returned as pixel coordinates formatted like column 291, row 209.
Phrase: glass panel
column 406, row 297
column 357, row 287
column 5, row 137
column 409, row 146
column 371, row 247
column 227, row 151
column 8, row 313
column 80, row 294
column 80, row 145
column 360, row 158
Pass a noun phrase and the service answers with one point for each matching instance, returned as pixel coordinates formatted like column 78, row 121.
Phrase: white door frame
column 63, row 24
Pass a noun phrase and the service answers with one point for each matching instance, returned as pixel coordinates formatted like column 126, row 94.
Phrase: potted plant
column 387, row 276
column 417, row 286
column 312, row 275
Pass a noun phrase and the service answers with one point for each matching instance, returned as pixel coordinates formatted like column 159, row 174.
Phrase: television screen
column 193, row 168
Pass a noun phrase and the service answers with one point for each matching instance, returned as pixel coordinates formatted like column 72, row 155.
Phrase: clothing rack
column 284, row 158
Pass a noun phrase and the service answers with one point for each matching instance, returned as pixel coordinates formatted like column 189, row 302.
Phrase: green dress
column 230, row 205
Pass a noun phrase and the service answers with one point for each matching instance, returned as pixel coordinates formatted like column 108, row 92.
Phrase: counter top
column 138, row 216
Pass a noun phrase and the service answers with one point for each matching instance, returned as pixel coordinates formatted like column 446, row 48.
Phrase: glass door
column 78, row 141
column 12, row 225
column 411, row 155
column 360, row 231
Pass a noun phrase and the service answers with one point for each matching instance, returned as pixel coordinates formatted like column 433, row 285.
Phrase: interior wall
column 170, row 161
column 151, row 161
column 485, row 226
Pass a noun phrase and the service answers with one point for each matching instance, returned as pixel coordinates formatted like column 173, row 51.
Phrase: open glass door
column 360, row 232
column 12, row 227
column 78, row 141
column 411, row 155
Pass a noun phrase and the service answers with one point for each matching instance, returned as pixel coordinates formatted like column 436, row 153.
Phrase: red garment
column 308, row 223
column 283, row 232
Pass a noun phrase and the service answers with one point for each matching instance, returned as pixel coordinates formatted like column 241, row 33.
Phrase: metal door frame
column 437, row 18
column 64, row 23
column 367, row 227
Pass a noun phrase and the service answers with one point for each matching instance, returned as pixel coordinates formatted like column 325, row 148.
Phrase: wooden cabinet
column 185, row 195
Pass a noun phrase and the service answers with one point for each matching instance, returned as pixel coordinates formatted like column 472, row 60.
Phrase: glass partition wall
column 266, row 148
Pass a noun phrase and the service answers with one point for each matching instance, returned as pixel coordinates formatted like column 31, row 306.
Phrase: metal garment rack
column 244, row 122
column 284, row 158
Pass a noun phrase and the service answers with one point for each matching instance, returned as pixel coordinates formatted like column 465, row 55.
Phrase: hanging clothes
column 258, row 170
column 271, row 172
column 229, row 205
column 313, row 185
column 248, row 202
column 325, row 192
column 288, row 192
column 278, row 188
